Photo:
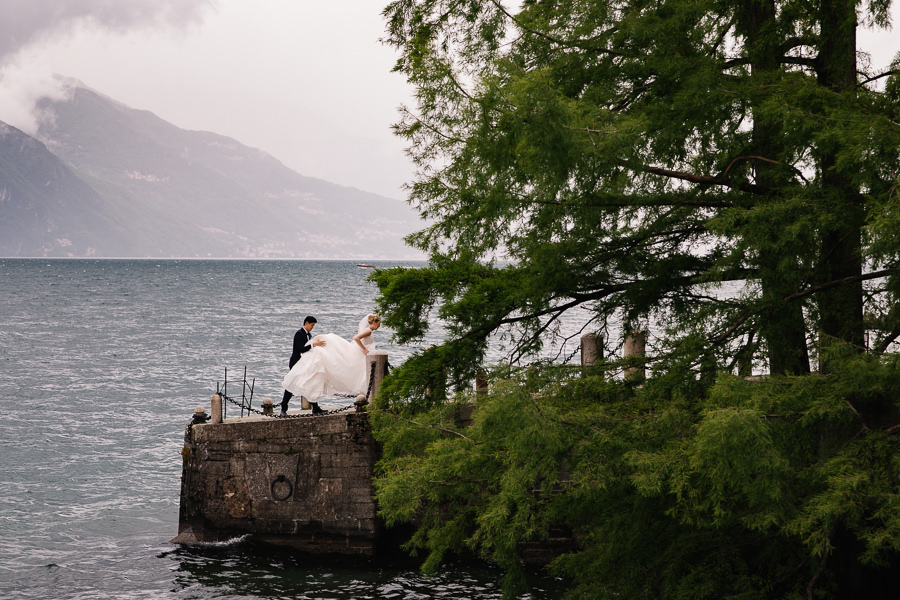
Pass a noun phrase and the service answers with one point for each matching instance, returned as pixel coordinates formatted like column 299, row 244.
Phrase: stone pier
column 303, row 482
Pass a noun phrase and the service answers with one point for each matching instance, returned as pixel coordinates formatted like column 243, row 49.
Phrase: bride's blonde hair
column 373, row 319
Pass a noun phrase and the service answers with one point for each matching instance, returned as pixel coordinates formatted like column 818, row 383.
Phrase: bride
column 336, row 368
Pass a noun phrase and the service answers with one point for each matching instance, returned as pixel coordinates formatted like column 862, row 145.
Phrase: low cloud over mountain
column 102, row 179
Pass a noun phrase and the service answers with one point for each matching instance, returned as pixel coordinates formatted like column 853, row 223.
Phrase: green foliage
column 738, row 493
column 619, row 155
column 722, row 172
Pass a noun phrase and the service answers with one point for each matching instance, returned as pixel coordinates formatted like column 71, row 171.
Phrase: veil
column 369, row 340
column 364, row 324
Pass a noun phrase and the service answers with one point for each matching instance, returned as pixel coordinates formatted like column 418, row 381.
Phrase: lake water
column 101, row 365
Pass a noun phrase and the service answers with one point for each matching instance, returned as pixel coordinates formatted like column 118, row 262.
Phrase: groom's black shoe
column 284, row 403
column 315, row 409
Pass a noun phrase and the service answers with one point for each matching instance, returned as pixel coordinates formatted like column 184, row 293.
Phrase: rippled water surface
column 101, row 365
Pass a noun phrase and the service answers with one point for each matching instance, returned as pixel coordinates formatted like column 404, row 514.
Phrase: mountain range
column 101, row 179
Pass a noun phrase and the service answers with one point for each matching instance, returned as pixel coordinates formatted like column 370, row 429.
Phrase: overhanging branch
column 723, row 178
column 844, row 280
column 877, row 77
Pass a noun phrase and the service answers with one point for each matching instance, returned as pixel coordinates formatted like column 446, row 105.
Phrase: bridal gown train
column 337, row 368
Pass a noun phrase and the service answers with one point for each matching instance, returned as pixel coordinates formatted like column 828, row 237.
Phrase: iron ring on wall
column 282, row 488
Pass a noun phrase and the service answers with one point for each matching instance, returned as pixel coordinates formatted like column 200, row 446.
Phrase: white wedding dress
column 336, row 369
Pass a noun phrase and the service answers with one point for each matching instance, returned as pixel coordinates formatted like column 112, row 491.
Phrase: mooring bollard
column 380, row 359
column 635, row 345
column 267, row 406
column 215, row 404
column 200, row 416
column 481, row 383
column 591, row 349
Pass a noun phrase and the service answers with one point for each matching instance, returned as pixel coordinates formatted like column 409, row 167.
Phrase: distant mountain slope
column 144, row 187
column 45, row 209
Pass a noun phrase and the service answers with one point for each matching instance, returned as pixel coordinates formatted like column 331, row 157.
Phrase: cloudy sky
column 305, row 80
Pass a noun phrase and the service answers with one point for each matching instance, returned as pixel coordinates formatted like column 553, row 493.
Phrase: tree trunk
column 783, row 327
column 840, row 307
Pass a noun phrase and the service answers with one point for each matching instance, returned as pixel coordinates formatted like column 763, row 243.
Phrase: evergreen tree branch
column 811, row 587
column 800, row 60
column 879, row 76
column 434, row 427
column 584, row 44
column 842, row 281
column 721, row 37
column 885, row 342
column 742, row 318
column 796, row 42
column 427, row 125
column 808, row 292
column 786, row 59
column 893, row 429
column 623, row 200
column 722, row 178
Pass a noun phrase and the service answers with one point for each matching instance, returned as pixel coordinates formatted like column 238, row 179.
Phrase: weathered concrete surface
column 304, row 482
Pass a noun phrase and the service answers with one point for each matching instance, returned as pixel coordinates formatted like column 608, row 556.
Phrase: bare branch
column 877, row 77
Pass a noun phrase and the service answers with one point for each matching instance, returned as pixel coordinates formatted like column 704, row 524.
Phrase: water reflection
column 248, row 570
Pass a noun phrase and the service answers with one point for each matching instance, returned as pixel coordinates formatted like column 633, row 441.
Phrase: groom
column 301, row 345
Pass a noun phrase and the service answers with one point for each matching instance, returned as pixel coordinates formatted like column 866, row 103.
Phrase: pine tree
column 628, row 159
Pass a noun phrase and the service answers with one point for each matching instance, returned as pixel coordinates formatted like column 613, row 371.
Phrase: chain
column 239, row 404
column 371, row 381
column 571, row 356
column 307, row 415
column 259, row 412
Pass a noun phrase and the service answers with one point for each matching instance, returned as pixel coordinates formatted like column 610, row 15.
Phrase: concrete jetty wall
column 304, row 482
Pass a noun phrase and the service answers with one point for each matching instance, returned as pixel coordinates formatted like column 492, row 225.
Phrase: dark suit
column 301, row 345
